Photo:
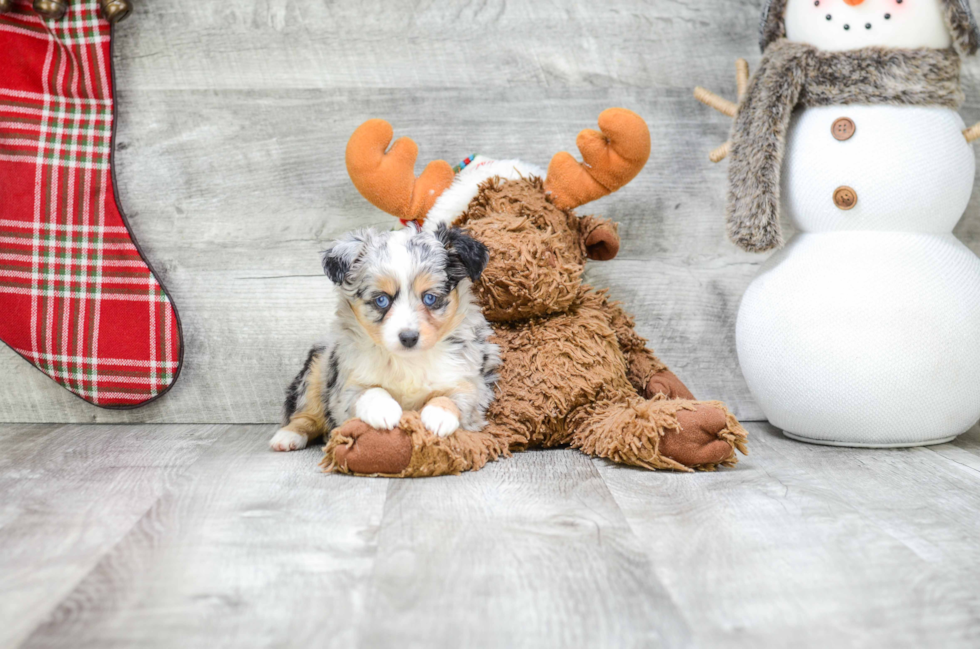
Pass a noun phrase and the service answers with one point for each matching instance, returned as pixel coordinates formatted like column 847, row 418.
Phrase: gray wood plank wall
column 233, row 120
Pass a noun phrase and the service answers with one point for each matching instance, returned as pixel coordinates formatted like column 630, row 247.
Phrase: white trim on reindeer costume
column 454, row 200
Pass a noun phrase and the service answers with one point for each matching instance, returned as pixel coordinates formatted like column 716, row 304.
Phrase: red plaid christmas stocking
column 77, row 298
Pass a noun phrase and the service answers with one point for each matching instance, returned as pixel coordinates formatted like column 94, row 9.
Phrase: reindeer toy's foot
column 706, row 437
column 677, row 434
column 360, row 449
column 409, row 450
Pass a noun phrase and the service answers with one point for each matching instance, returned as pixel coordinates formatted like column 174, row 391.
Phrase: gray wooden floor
column 198, row 536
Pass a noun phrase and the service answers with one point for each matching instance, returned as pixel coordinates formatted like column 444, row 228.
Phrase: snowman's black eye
column 899, row 1
column 888, row 16
column 816, row 3
column 846, row 27
column 867, row 25
column 828, row 16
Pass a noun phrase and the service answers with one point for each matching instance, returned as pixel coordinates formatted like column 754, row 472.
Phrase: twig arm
column 742, row 76
column 972, row 133
column 721, row 152
column 709, row 98
column 729, row 108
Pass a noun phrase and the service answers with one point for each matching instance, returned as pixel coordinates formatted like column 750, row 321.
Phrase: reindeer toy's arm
column 112, row 10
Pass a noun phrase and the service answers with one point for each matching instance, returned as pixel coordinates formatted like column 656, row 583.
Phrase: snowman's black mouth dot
column 888, row 16
column 867, row 25
column 816, row 3
column 898, row 1
column 846, row 27
column 828, row 16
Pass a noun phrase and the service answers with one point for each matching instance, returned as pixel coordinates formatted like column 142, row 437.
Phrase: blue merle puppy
column 407, row 336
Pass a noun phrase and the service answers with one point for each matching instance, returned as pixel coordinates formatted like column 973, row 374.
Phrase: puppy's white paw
column 439, row 421
column 378, row 410
column 287, row 440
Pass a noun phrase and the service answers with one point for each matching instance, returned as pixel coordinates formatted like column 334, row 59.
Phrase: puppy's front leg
column 441, row 416
column 377, row 409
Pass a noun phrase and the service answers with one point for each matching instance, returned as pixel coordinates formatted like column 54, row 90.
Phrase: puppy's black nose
column 408, row 338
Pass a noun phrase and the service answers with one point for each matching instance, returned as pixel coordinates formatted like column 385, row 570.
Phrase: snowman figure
column 864, row 330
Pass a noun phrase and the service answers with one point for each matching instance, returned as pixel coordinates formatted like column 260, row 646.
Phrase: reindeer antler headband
column 612, row 158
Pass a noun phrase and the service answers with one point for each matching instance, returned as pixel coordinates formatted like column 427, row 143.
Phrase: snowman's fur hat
column 959, row 18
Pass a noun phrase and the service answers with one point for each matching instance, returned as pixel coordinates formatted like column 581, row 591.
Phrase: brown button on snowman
column 845, row 198
column 864, row 329
column 843, row 129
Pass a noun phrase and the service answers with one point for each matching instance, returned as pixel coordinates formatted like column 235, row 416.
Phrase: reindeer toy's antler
column 388, row 180
column 611, row 159
column 724, row 106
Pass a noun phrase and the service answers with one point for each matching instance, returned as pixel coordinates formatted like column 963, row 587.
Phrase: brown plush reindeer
column 574, row 371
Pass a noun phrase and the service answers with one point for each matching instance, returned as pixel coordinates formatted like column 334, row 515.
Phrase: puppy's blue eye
column 428, row 299
column 382, row 301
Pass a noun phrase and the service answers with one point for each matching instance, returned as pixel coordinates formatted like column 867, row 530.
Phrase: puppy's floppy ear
column 467, row 256
column 344, row 253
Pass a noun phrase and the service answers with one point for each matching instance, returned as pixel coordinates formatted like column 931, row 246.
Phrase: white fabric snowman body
column 864, row 330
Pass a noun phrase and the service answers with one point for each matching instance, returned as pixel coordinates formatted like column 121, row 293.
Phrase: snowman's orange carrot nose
column 854, row 3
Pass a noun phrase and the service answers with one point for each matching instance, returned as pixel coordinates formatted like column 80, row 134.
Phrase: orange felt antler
column 388, row 180
column 611, row 158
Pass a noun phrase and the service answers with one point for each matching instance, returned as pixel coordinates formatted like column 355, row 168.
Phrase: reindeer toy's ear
column 388, row 180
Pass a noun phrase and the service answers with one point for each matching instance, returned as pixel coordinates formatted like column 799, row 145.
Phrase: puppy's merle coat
column 407, row 336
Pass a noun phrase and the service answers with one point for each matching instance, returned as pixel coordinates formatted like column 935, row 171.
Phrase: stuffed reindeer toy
column 112, row 10
column 573, row 369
